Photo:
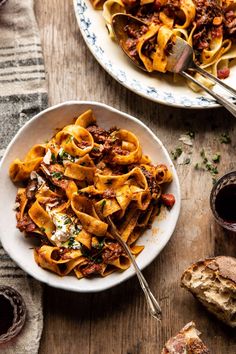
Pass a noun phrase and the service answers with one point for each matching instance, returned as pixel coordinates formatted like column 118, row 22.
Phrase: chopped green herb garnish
column 77, row 230
column 211, row 168
column 67, row 221
column 61, row 152
column 65, row 156
column 53, row 157
column 214, row 170
column 206, row 165
column 70, row 138
column 187, row 161
column 99, row 245
column 216, row 157
column 176, row 153
column 71, row 241
column 191, row 134
column 103, row 203
column 202, row 154
column 225, row 138
column 57, row 175
column 95, row 149
column 59, row 226
column 214, row 180
column 42, row 229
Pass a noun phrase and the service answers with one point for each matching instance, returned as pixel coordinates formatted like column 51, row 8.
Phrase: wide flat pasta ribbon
column 75, row 140
column 135, row 176
column 62, row 264
column 42, row 219
column 84, row 211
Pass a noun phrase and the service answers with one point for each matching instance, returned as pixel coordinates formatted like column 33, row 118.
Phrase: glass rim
column 217, row 217
column 17, row 302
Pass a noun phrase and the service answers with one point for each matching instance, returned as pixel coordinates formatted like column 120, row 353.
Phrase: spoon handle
column 223, row 101
column 153, row 306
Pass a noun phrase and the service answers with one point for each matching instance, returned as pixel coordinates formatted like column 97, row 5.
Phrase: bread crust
column 213, row 282
column 187, row 341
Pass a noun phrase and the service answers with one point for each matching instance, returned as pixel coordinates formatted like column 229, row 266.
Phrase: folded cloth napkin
column 22, row 94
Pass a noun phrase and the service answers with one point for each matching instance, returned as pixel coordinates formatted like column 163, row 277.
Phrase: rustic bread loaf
column 187, row 341
column 213, row 282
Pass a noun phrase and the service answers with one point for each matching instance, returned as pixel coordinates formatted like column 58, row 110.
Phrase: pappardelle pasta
column 209, row 26
column 73, row 182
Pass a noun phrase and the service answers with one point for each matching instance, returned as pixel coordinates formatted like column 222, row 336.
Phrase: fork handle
column 223, row 101
column 205, row 73
column 153, row 306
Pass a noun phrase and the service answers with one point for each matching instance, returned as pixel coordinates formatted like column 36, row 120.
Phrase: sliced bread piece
column 187, row 341
column 213, row 282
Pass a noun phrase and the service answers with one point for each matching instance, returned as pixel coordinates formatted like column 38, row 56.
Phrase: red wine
column 6, row 314
column 225, row 203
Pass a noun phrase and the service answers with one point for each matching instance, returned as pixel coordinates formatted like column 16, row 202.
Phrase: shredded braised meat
column 109, row 193
column 26, row 224
column 152, row 183
column 112, row 252
column 230, row 23
column 99, row 134
column 91, row 268
column 31, row 189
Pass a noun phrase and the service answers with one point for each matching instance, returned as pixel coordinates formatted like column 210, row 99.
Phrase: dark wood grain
column 116, row 321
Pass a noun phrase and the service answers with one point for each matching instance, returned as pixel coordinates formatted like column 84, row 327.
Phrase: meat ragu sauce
column 211, row 21
column 67, row 196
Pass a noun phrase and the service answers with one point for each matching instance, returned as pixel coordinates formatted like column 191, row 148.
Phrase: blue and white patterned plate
column 157, row 87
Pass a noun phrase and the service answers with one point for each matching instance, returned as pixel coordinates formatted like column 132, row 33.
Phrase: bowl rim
column 67, row 287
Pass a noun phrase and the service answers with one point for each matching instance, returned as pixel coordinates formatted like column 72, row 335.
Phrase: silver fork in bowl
column 153, row 306
column 179, row 59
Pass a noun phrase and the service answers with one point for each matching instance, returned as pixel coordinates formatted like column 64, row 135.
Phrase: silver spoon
column 179, row 60
column 153, row 306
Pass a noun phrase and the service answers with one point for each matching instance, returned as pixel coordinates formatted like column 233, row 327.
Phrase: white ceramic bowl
column 41, row 128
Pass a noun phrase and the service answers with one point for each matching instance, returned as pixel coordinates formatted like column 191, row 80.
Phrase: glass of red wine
column 223, row 201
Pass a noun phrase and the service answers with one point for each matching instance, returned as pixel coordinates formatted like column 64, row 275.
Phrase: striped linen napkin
column 23, row 93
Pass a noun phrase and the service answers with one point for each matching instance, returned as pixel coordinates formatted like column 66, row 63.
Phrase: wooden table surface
column 116, row 321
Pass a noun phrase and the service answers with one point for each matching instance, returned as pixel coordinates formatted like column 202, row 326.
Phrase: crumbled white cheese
column 65, row 156
column 184, row 159
column 65, row 228
column 47, row 157
column 16, row 206
column 49, row 206
column 35, row 175
column 46, row 170
column 186, row 139
column 32, row 188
